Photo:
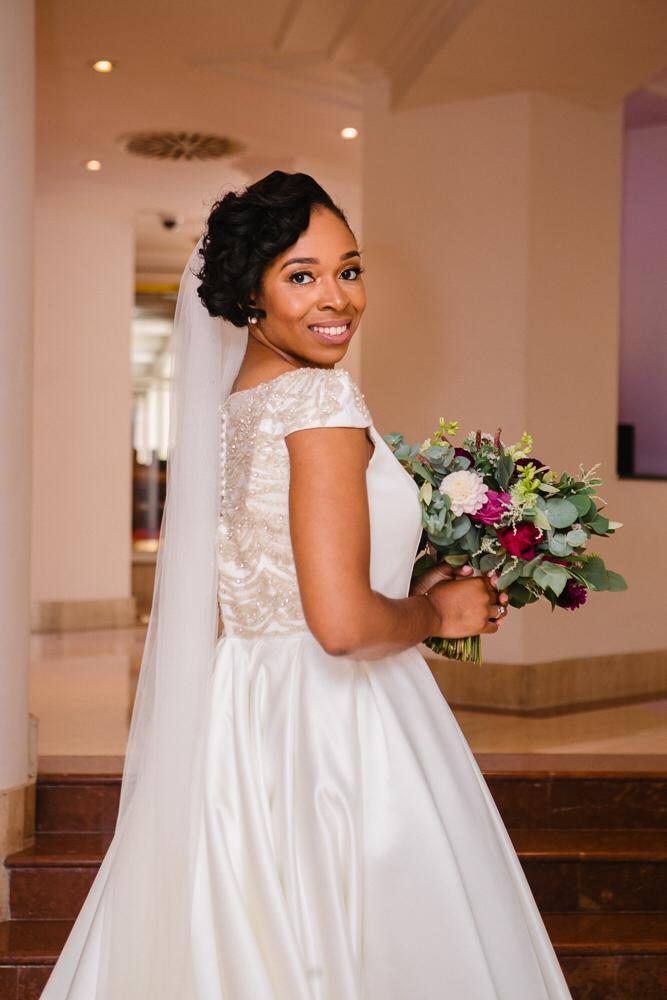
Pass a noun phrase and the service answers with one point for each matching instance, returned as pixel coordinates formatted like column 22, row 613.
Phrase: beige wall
column 492, row 238
column 84, row 292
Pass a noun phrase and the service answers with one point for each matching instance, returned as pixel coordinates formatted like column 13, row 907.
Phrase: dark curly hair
column 246, row 231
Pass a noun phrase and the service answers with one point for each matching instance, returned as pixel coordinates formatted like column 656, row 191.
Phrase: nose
column 332, row 294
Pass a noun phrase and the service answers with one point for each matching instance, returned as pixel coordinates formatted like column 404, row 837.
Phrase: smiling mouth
column 331, row 329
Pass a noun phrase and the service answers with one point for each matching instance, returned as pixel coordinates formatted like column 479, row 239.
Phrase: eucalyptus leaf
column 470, row 541
column 508, row 577
column 558, row 545
column 600, row 525
column 519, row 595
column 460, row 526
column 577, row 536
column 581, row 502
column 487, row 562
column 423, row 471
column 456, row 560
column 561, row 512
column 616, row 581
column 551, row 576
column 528, row 567
column 540, row 520
column 422, row 565
column 595, row 574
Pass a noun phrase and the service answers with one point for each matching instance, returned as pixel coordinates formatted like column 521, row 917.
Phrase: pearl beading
column 258, row 591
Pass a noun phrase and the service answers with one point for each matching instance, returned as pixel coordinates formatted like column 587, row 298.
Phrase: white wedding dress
column 349, row 846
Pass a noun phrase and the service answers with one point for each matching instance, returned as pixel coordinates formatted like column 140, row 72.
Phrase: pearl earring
column 252, row 319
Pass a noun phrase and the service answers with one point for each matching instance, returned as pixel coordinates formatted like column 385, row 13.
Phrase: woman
column 302, row 818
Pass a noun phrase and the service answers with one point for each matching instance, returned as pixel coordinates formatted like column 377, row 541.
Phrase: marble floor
column 82, row 685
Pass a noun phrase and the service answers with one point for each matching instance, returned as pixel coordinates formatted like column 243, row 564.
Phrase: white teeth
column 332, row 331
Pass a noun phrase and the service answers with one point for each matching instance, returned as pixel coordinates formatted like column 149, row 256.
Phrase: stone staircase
column 591, row 833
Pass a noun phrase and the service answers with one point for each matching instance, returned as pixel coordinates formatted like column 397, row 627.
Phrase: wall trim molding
column 557, row 686
column 17, row 829
column 65, row 616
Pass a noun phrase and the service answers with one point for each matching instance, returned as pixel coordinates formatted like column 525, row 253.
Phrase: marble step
column 616, row 956
column 572, row 791
column 595, row 871
column 28, row 951
column 568, row 871
column 611, row 956
column 532, row 791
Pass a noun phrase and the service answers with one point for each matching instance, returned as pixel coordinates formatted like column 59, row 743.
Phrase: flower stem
column 468, row 650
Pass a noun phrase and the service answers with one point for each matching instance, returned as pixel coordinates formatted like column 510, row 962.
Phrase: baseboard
column 65, row 616
column 557, row 686
column 17, row 829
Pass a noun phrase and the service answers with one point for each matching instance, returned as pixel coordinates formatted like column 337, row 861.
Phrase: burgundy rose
column 494, row 508
column 520, row 541
column 572, row 596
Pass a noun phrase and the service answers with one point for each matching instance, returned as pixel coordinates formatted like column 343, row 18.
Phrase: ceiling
column 282, row 77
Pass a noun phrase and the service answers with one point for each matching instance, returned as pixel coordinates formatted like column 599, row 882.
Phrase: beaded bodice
column 258, row 592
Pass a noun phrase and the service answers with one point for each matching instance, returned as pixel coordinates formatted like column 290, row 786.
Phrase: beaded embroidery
column 258, row 593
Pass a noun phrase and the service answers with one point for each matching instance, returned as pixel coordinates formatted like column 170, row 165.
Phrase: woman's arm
column 330, row 530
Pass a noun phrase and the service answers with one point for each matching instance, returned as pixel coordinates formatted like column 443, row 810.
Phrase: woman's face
column 313, row 306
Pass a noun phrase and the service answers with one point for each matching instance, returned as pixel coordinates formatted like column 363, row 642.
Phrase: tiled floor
column 82, row 684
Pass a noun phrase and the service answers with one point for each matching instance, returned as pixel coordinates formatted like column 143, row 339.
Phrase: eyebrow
column 314, row 260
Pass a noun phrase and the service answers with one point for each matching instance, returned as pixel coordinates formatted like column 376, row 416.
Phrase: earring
column 252, row 319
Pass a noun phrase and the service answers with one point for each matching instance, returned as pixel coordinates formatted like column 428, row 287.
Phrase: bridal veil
column 143, row 913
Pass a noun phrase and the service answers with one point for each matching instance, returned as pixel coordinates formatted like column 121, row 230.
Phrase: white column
column 16, row 294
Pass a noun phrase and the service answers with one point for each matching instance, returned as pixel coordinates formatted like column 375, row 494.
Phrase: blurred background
column 504, row 166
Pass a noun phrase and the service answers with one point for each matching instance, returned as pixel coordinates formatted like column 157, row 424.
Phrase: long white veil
column 143, row 911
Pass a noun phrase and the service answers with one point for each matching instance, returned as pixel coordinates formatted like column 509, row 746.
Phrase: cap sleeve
column 322, row 397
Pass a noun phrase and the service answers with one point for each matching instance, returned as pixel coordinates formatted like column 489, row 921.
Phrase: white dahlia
column 466, row 490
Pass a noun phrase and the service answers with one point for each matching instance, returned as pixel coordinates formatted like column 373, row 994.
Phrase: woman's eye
column 300, row 274
column 357, row 270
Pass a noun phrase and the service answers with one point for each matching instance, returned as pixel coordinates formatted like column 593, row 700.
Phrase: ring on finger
column 502, row 610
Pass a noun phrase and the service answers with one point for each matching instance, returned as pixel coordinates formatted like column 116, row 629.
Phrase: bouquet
column 498, row 509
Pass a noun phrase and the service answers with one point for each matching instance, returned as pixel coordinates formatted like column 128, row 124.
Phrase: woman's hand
column 465, row 606
column 422, row 584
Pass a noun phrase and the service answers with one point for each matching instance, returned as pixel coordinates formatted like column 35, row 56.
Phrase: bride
column 301, row 817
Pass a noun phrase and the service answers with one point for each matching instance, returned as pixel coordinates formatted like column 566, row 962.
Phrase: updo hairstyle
column 246, row 231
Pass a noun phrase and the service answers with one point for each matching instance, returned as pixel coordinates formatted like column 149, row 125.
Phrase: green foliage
column 560, row 512
column 581, row 502
column 551, row 576
column 562, row 507
column 504, row 470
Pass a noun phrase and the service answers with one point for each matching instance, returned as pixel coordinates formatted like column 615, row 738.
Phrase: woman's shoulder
column 319, row 397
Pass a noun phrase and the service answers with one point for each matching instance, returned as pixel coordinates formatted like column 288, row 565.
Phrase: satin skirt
column 348, row 847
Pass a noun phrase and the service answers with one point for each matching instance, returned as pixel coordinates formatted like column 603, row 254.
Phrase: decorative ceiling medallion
column 180, row 145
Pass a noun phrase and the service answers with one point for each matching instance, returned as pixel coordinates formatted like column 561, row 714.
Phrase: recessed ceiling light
column 350, row 132
column 93, row 165
column 103, row 66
